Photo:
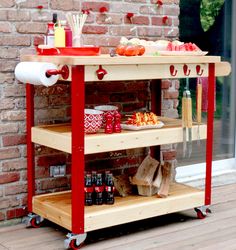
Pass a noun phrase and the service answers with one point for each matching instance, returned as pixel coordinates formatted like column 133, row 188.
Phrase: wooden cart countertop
column 108, row 60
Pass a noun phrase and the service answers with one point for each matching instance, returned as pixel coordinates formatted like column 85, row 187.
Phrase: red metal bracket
column 199, row 70
column 186, row 70
column 173, row 71
column 101, row 72
column 64, row 72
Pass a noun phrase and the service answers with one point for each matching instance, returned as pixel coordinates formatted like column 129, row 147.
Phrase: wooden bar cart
column 67, row 208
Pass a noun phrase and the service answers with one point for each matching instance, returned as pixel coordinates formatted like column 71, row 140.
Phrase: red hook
column 173, row 71
column 64, row 72
column 199, row 70
column 101, row 72
column 187, row 71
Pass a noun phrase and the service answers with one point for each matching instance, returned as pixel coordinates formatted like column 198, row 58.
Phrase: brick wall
column 22, row 25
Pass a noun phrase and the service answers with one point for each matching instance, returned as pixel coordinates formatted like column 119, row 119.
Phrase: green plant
column 209, row 10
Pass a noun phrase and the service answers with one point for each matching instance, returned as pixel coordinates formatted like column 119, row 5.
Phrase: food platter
column 134, row 127
column 182, row 53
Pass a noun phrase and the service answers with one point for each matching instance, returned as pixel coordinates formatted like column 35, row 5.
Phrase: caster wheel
column 200, row 215
column 35, row 224
column 74, row 246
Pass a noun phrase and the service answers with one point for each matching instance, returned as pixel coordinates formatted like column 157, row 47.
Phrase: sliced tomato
column 120, row 49
column 130, row 50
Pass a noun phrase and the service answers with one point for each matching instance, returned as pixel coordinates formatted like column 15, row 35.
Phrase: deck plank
column 174, row 231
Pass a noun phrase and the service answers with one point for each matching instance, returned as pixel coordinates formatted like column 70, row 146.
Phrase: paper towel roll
column 35, row 73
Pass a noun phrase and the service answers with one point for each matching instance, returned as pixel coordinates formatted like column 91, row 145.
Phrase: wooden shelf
column 56, row 207
column 59, row 137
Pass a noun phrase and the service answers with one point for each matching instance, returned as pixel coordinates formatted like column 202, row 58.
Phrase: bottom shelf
column 56, row 207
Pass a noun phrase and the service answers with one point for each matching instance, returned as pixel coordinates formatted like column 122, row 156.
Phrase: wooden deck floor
column 176, row 231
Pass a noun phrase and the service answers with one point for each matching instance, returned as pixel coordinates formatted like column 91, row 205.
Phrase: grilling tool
column 187, row 120
column 199, row 108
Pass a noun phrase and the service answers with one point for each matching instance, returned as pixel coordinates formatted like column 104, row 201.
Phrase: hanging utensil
column 187, row 120
column 184, row 122
column 199, row 108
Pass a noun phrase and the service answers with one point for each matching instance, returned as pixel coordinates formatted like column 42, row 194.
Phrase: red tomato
column 141, row 50
column 130, row 50
column 120, row 49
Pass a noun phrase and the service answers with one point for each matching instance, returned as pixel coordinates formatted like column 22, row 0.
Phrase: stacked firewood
column 152, row 178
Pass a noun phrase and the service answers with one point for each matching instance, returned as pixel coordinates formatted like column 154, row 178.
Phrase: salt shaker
column 117, row 126
column 108, row 126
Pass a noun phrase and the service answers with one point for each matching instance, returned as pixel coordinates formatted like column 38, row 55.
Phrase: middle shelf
column 59, row 137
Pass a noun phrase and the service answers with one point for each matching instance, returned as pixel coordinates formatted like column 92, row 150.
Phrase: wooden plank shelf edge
column 57, row 207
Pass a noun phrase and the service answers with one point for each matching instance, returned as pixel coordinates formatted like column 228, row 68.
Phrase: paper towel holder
column 64, row 72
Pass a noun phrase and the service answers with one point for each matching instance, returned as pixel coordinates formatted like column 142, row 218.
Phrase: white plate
column 182, row 53
column 133, row 127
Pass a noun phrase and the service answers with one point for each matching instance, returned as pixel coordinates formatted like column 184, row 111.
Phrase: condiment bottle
column 109, row 189
column 98, row 189
column 49, row 38
column 60, row 39
column 88, row 190
column 68, row 33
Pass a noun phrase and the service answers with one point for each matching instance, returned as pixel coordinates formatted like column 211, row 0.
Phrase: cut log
column 165, row 184
column 145, row 172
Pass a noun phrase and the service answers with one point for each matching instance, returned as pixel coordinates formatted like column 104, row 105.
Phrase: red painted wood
column 209, row 144
column 77, row 175
column 30, row 145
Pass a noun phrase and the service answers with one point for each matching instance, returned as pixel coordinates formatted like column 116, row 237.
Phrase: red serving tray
column 69, row 51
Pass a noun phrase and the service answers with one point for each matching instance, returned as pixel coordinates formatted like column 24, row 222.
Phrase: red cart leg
column 210, row 120
column 77, row 176
column 30, row 145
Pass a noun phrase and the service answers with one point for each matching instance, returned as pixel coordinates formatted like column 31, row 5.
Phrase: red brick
column 134, row 85
column 139, row 20
column 18, row 15
column 14, row 90
column 169, row 155
column 20, row 103
column 9, row 153
column 31, row 28
column 33, row 3
column 88, row 29
column 176, row 104
column 14, row 165
column 136, row 1
column 57, row 89
column 54, row 183
column 118, row 7
column 9, row 53
column 165, row 84
column 9, row 177
column 12, row 40
column 150, row 10
column 8, row 128
column 6, row 77
column 170, row 94
column 171, row 113
column 13, row 115
column 95, row 6
column 2, row 216
column 1, row 192
column 101, row 40
column 150, row 31
column 95, row 99
column 65, row 5
column 16, row 213
column 59, row 100
column 7, row 3
column 48, row 160
column 122, row 31
column 5, row 27
column 171, row 32
column 7, row 65
column 42, row 172
column 107, row 87
column 171, row 10
column 4, row 203
column 50, row 113
column 167, row 104
column 15, row 189
column 12, row 140
column 42, row 16
column 157, row 21
column 6, row 103
column 109, row 19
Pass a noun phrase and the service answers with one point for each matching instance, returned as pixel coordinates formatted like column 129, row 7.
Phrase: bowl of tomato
column 130, row 50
